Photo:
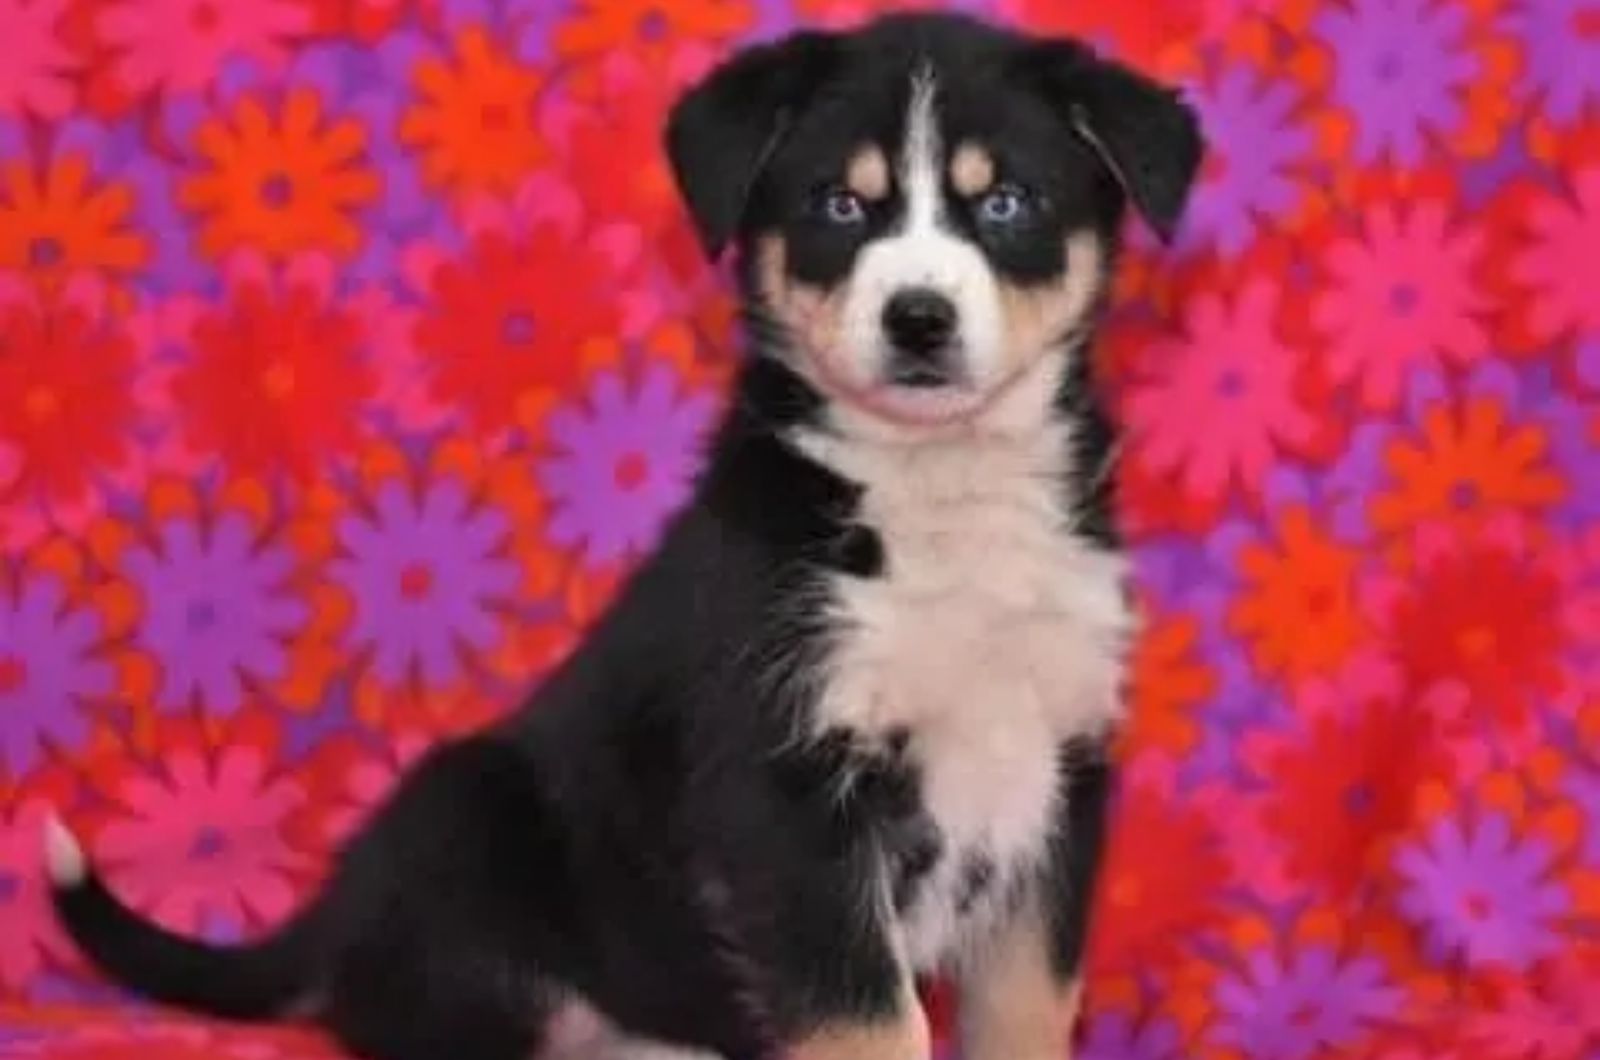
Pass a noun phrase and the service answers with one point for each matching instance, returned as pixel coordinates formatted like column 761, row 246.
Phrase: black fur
column 647, row 834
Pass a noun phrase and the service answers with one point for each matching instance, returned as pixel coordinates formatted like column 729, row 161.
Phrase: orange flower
column 606, row 25
column 1167, row 684
column 475, row 125
column 61, row 221
column 1469, row 459
column 281, row 186
column 1298, row 609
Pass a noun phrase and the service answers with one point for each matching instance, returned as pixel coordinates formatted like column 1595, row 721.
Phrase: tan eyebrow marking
column 972, row 169
column 868, row 174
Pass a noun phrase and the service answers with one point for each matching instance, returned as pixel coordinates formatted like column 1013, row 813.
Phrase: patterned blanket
column 350, row 350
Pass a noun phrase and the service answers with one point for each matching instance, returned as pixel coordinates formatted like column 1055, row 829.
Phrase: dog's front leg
column 1015, row 1004
column 1020, row 992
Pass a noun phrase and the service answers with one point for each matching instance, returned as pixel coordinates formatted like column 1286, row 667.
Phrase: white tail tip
column 64, row 859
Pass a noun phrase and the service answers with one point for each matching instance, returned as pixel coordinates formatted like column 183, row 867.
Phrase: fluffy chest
column 992, row 636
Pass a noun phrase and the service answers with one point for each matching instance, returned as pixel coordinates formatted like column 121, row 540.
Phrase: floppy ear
column 725, row 129
column 1144, row 133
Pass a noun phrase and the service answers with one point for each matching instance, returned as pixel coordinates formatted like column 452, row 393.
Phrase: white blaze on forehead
column 924, row 252
column 920, row 170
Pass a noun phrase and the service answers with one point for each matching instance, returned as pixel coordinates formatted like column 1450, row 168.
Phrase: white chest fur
column 992, row 636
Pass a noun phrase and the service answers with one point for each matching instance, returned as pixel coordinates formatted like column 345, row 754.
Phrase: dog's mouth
column 921, row 399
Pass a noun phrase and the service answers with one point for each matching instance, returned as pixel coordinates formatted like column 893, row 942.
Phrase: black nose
column 919, row 320
column 920, row 324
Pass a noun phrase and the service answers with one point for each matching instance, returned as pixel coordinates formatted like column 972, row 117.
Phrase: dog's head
column 927, row 207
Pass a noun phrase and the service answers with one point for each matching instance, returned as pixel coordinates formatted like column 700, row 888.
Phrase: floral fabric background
column 351, row 349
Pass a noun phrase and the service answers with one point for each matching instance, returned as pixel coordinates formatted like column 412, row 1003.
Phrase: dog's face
column 926, row 207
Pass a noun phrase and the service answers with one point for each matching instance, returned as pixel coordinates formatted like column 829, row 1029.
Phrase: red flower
column 518, row 325
column 66, row 402
column 1485, row 617
column 1340, row 793
column 1146, row 906
column 277, row 380
column 613, row 150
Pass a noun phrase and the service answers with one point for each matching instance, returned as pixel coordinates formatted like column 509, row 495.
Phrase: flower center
column 1230, row 384
column 1358, row 799
column 1463, row 494
column 654, row 26
column 1215, row 167
column 45, row 251
column 200, row 615
column 416, row 581
column 278, row 380
column 1321, row 599
column 1304, row 1015
column 208, row 843
column 277, row 190
column 41, row 403
column 1388, row 67
column 1477, row 906
column 631, row 471
column 204, row 17
column 1403, row 298
column 1476, row 642
column 13, row 674
column 494, row 116
column 517, row 328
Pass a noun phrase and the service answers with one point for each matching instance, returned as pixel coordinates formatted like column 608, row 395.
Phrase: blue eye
column 1006, row 204
column 842, row 207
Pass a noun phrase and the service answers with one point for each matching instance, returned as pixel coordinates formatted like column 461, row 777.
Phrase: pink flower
column 181, row 44
column 34, row 77
column 1215, row 404
column 28, row 932
column 1559, row 267
column 366, row 783
column 1401, row 296
column 201, row 840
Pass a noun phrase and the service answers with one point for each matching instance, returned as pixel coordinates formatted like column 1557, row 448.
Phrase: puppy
column 847, row 724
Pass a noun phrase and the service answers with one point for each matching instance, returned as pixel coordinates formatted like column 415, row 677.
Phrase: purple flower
column 1487, row 894
column 1400, row 69
column 217, row 615
column 48, row 671
column 625, row 463
column 1255, row 143
column 428, row 573
column 1115, row 1036
column 1562, row 38
column 1310, row 1004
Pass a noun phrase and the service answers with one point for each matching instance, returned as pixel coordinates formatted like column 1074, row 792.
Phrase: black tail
column 258, row 981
